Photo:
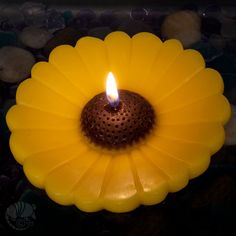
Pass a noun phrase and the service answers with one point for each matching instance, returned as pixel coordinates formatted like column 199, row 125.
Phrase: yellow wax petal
column 205, row 83
column 144, row 50
column 60, row 182
column 48, row 74
column 88, row 191
column 48, row 141
column 67, row 60
column 22, row 117
column 195, row 156
column 93, row 54
column 39, row 165
column 209, row 134
column 186, row 65
column 34, row 94
column 120, row 193
column 26, row 142
column 118, row 46
column 215, row 108
column 176, row 171
column 153, row 182
column 167, row 54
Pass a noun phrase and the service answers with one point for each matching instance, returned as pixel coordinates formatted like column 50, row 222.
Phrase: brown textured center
column 115, row 128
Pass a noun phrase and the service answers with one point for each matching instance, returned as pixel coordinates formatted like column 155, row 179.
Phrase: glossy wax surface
column 46, row 134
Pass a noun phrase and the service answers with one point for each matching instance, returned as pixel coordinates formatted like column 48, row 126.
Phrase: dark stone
column 51, row 217
column 5, row 133
column 4, row 182
column 106, row 18
column 230, row 87
column 132, row 27
column 16, row 64
column 119, row 17
column 228, row 29
column 68, row 17
column 8, row 104
column 40, row 57
column 55, row 20
column 222, row 218
column 5, row 25
column 84, row 17
column 208, row 51
column 212, row 10
column 78, row 24
column 223, row 190
column 191, row 7
column 94, row 24
column 3, row 92
column 226, row 63
column 231, row 95
column 210, row 26
column 34, row 13
column 231, row 46
column 8, row 39
column 217, row 41
column 99, row 32
column 157, row 18
column 87, row 14
column 218, row 190
column 139, row 13
column 228, row 11
column 66, row 36
column 11, row 91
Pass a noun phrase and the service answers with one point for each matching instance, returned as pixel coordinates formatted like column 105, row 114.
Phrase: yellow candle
column 47, row 139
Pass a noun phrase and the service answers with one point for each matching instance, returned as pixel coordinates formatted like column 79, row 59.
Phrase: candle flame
column 111, row 90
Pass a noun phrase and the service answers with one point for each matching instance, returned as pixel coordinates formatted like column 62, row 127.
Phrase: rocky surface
column 231, row 128
column 182, row 25
column 15, row 64
column 34, row 37
column 29, row 32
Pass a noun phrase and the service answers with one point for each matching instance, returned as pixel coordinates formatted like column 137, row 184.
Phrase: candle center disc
column 118, row 127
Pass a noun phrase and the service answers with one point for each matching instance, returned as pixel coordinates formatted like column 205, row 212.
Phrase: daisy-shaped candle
column 117, row 149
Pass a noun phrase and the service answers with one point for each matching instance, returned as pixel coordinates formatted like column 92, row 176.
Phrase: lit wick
column 111, row 91
column 116, row 119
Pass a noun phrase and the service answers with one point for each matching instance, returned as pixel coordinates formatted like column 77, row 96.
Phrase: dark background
column 207, row 206
column 124, row 2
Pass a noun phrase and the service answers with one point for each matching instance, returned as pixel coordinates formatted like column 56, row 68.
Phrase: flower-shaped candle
column 96, row 153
